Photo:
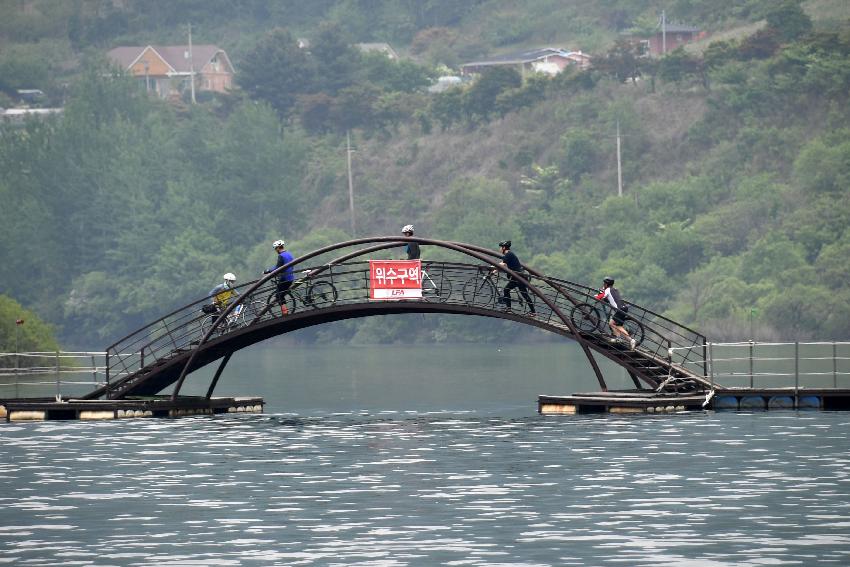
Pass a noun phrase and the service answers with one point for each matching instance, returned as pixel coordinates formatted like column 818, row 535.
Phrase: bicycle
column 482, row 290
column 315, row 294
column 239, row 317
column 588, row 318
column 436, row 291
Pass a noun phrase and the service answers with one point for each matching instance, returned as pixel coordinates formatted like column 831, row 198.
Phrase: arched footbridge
column 668, row 357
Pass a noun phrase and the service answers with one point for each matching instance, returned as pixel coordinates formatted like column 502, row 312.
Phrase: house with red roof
column 168, row 70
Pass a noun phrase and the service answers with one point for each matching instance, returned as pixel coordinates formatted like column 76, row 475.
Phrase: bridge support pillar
column 218, row 372
column 596, row 369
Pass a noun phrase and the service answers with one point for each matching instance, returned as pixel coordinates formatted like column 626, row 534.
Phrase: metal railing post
column 797, row 372
column 58, row 391
column 751, row 363
column 93, row 370
column 710, row 362
column 170, row 336
column 834, row 366
column 17, row 366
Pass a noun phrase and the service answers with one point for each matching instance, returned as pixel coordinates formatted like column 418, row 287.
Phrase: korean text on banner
column 395, row 279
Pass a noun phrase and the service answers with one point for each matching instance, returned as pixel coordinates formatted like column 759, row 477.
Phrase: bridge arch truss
column 167, row 350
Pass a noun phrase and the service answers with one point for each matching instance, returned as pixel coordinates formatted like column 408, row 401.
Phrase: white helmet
column 407, row 228
column 278, row 244
column 229, row 277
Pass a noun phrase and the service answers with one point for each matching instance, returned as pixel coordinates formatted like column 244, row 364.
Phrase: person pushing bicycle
column 222, row 294
column 412, row 248
column 286, row 277
column 510, row 260
column 618, row 316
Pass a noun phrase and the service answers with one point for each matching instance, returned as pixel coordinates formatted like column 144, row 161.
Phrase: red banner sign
column 395, row 279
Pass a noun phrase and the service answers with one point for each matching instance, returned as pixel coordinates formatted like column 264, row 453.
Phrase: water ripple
column 401, row 488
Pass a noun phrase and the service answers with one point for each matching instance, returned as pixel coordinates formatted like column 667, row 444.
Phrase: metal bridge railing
column 753, row 364
column 40, row 370
column 661, row 334
column 183, row 328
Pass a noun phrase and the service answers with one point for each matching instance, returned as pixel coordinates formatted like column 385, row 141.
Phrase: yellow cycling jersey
column 223, row 298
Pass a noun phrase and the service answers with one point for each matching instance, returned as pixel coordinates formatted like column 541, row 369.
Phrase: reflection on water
column 400, row 489
column 504, row 379
column 317, row 380
column 475, row 479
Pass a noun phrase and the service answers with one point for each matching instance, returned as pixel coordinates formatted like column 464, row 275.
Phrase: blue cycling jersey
column 282, row 259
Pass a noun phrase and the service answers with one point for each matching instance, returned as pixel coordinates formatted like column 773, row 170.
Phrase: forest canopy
column 734, row 154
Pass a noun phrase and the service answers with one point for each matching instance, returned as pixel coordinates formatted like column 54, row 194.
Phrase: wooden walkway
column 743, row 399
column 46, row 409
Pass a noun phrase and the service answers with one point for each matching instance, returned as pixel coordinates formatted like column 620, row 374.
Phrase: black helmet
column 505, row 244
column 608, row 280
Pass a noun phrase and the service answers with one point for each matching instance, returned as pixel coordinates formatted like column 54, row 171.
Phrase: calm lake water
column 426, row 455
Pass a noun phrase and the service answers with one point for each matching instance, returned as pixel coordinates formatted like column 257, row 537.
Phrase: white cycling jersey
column 612, row 296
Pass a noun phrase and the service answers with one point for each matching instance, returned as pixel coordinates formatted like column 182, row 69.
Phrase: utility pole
column 191, row 66
column 350, row 183
column 619, row 164
column 663, row 33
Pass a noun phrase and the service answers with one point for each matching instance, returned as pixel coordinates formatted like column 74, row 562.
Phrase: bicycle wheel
column 586, row 318
column 253, row 310
column 288, row 301
column 479, row 290
column 321, row 294
column 206, row 325
column 436, row 288
column 635, row 329
column 518, row 302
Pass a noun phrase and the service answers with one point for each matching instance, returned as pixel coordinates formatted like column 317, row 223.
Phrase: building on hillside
column 549, row 60
column 668, row 37
column 579, row 59
column 445, row 83
column 384, row 48
column 30, row 96
column 168, row 69
column 18, row 116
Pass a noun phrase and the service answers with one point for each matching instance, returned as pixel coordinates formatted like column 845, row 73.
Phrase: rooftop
column 175, row 55
column 522, row 56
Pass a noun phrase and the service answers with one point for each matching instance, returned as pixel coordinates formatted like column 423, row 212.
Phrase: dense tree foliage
column 735, row 159
column 21, row 330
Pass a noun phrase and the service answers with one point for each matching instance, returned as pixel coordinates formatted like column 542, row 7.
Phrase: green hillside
column 735, row 156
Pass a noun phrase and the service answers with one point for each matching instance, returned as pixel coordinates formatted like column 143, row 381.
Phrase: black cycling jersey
column 511, row 261
column 615, row 293
column 412, row 250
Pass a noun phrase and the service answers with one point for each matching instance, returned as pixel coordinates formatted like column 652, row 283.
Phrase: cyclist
column 510, row 260
column 412, row 248
column 222, row 294
column 618, row 316
column 286, row 277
